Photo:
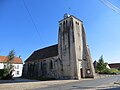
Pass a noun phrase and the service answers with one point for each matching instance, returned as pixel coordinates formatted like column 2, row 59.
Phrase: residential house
column 16, row 62
column 114, row 65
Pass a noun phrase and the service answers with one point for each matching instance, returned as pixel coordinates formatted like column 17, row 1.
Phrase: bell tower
column 72, row 48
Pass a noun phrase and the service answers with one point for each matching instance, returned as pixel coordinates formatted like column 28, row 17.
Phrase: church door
column 81, row 72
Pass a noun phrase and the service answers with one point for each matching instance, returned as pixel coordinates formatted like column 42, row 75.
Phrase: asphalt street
column 86, row 84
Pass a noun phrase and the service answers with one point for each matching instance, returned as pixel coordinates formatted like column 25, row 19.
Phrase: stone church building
column 69, row 59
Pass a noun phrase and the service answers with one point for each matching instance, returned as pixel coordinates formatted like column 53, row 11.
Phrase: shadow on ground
column 114, row 88
column 17, row 80
column 98, row 88
column 79, row 88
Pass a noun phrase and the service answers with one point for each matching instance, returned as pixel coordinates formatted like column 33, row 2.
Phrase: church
column 69, row 59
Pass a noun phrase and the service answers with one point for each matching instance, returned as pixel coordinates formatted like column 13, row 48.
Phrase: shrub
column 114, row 71
column 110, row 71
column 106, row 71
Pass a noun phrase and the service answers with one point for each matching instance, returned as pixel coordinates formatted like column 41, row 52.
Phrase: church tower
column 73, row 51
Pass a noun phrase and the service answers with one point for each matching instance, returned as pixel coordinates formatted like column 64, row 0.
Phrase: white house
column 16, row 62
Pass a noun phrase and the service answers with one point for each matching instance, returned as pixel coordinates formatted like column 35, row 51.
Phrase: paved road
column 87, row 85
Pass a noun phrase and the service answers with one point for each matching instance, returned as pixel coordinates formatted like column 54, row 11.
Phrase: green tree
column 8, row 70
column 101, row 65
column 8, row 66
column 11, row 55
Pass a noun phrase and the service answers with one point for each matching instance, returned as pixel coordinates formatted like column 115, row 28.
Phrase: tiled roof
column 44, row 53
column 16, row 60
column 114, row 65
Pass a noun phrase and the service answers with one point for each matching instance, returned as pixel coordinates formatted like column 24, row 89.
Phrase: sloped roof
column 114, row 65
column 16, row 60
column 44, row 53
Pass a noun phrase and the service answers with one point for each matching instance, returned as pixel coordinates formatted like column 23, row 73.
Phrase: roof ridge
column 47, row 47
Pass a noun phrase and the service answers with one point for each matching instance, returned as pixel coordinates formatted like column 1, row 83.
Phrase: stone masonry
column 69, row 59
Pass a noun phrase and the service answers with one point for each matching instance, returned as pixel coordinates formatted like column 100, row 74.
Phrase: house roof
column 44, row 53
column 114, row 65
column 16, row 60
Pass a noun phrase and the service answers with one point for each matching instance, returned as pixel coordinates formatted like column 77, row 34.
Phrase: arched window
column 66, row 23
column 51, row 64
column 41, row 65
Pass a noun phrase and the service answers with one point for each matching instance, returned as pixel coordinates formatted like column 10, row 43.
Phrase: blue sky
column 18, row 32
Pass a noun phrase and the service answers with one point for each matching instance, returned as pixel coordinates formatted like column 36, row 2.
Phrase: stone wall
column 49, row 68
